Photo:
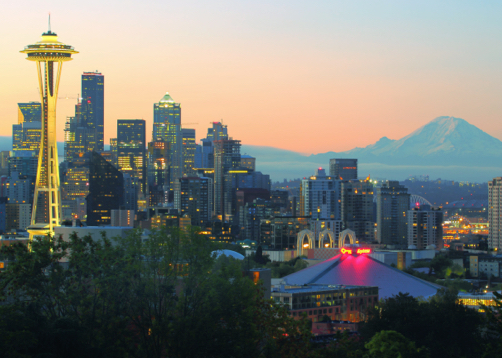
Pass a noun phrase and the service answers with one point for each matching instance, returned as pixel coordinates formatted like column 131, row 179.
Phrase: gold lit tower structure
column 49, row 54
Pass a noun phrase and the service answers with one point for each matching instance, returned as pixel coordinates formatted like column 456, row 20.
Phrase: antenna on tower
column 49, row 22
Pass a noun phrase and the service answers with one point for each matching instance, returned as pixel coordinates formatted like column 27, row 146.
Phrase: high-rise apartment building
column 495, row 213
column 158, row 166
column 167, row 127
column 75, row 136
column 26, row 133
column 188, row 151
column 425, row 227
column 320, row 196
column 226, row 157
column 357, row 208
column 193, row 196
column 217, row 132
column 131, row 151
column 106, row 188
column 393, row 203
column 343, row 169
column 248, row 162
column 92, row 112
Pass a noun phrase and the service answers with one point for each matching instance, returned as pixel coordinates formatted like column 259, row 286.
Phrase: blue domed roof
column 229, row 253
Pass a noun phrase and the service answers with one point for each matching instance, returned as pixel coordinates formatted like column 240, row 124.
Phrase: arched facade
column 341, row 238
column 301, row 236
column 322, row 236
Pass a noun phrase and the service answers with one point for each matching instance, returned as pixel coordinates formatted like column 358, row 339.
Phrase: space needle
column 49, row 54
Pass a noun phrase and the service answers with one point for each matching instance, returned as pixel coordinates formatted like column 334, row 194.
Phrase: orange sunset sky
column 309, row 76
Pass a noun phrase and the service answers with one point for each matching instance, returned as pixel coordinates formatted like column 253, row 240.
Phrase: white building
column 425, row 227
column 320, row 196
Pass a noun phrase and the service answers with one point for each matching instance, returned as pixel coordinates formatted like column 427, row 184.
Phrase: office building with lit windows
column 131, row 150
column 357, row 208
column 425, row 227
column 393, row 203
column 106, row 189
column 167, row 128
column 188, row 151
column 193, row 196
column 158, row 167
column 495, row 213
column 343, row 169
column 75, row 135
column 226, row 157
column 320, row 196
column 92, row 112
column 337, row 302
column 26, row 133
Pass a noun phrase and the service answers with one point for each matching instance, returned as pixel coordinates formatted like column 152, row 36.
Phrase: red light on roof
column 359, row 251
column 320, row 168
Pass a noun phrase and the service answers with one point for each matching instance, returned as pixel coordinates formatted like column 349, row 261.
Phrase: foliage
column 164, row 296
column 391, row 344
column 439, row 264
column 279, row 269
column 443, row 326
column 494, row 320
column 344, row 346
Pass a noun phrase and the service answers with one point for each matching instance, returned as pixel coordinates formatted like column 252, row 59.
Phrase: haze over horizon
column 309, row 77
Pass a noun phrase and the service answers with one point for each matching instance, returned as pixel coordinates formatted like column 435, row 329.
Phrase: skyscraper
column 194, row 196
column 167, row 127
column 188, row 150
column 106, row 189
column 27, row 132
column 320, row 196
column 47, row 53
column 93, row 110
column 425, row 227
column 357, row 208
column 495, row 213
column 393, row 203
column 158, row 166
column 131, row 151
column 226, row 157
column 74, row 136
column 343, row 169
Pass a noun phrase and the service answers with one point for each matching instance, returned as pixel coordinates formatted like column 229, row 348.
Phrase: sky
column 309, row 76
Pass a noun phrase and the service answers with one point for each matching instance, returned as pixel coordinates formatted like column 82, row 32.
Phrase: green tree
column 443, row 326
column 439, row 263
column 132, row 297
column 391, row 344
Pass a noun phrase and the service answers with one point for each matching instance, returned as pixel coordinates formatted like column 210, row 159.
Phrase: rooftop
column 362, row 270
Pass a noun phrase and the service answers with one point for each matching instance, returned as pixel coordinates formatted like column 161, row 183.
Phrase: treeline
column 169, row 296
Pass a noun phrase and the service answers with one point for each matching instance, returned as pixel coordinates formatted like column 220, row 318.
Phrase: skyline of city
column 335, row 65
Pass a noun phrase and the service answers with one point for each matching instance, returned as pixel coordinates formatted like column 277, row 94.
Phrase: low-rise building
column 327, row 302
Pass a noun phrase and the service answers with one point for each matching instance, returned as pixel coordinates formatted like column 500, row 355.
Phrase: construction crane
column 77, row 98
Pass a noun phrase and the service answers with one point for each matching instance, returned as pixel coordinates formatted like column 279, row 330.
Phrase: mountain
column 443, row 141
column 446, row 147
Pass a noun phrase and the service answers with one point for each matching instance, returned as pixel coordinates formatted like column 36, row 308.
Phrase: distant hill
column 446, row 147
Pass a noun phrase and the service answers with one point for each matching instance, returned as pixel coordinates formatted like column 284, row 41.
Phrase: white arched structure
column 322, row 236
column 341, row 238
column 301, row 236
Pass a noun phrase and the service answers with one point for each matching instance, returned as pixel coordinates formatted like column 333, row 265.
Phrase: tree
column 443, row 326
column 131, row 297
column 391, row 344
column 439, row 263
